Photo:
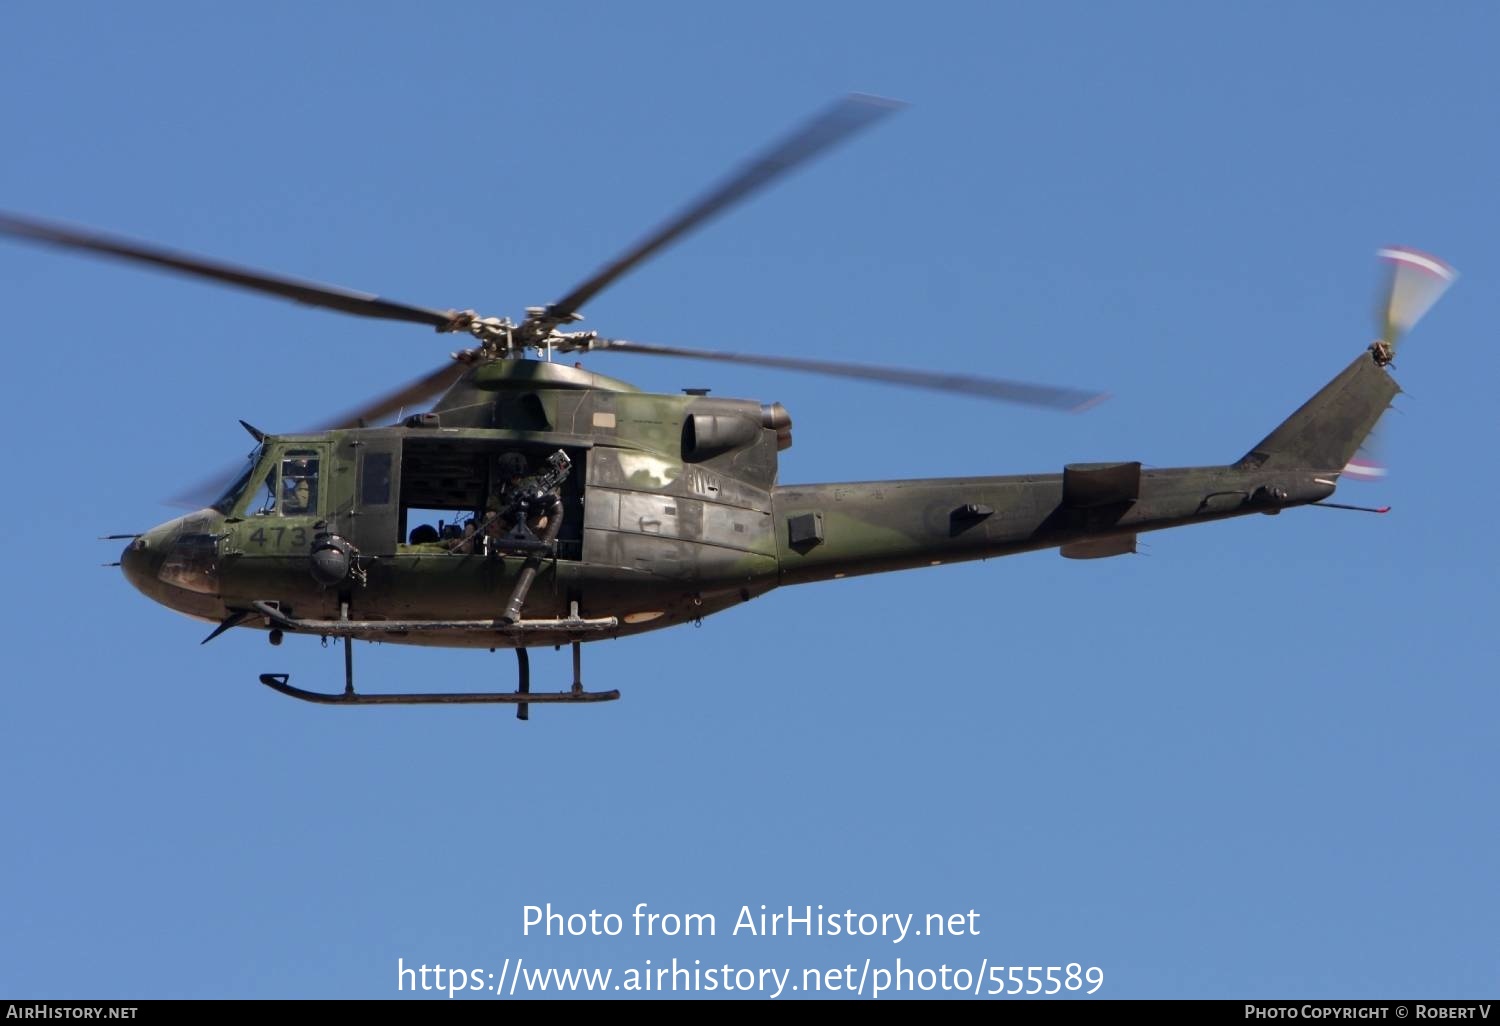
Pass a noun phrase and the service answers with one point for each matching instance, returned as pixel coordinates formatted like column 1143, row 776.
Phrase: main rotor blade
column 413, row 394
column 207, row 490
column 837, row 123
column 410, row 395
column 1073, row 400
column 311, row 293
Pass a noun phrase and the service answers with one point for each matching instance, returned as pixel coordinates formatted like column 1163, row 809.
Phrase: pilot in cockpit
column 298, row 494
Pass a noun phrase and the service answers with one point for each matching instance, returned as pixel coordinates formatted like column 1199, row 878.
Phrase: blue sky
column 1256, row 760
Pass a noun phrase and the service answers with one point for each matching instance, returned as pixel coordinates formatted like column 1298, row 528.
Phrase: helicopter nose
column 141, row 562
column 176, row 558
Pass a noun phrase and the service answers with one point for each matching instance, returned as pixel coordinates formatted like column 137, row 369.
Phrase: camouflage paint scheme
column 676, row 514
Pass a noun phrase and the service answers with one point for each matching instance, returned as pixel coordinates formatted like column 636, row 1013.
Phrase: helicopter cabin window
column 375, row 479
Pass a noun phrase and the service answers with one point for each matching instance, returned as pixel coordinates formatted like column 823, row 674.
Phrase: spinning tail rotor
column 1414, row 282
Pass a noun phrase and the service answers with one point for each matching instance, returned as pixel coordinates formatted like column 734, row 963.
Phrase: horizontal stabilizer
column 1099, row 548
column 1086, row 485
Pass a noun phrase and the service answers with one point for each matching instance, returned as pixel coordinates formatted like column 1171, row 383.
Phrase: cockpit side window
column 298, row 488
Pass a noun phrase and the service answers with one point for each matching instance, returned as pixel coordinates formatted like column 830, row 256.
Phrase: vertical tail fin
column 1326, row 434
column 1328, row 429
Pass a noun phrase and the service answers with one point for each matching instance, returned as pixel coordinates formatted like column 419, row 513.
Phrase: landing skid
column 279, row 682
column 521, row 698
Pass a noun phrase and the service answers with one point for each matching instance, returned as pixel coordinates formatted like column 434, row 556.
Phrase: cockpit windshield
column 226, row 502
column 284, row 485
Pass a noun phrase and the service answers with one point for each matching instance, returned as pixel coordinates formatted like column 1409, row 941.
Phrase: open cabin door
column 452, row 484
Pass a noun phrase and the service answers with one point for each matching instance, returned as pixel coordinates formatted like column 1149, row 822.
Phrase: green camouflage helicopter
column 540, row 504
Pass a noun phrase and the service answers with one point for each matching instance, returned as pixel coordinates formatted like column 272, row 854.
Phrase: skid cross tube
column 376, row 628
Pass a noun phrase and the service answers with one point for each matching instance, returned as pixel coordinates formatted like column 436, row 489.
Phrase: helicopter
column 540, row 504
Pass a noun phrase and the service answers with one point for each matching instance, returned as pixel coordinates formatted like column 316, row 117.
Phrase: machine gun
column 533, row 497
column 537, row 493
